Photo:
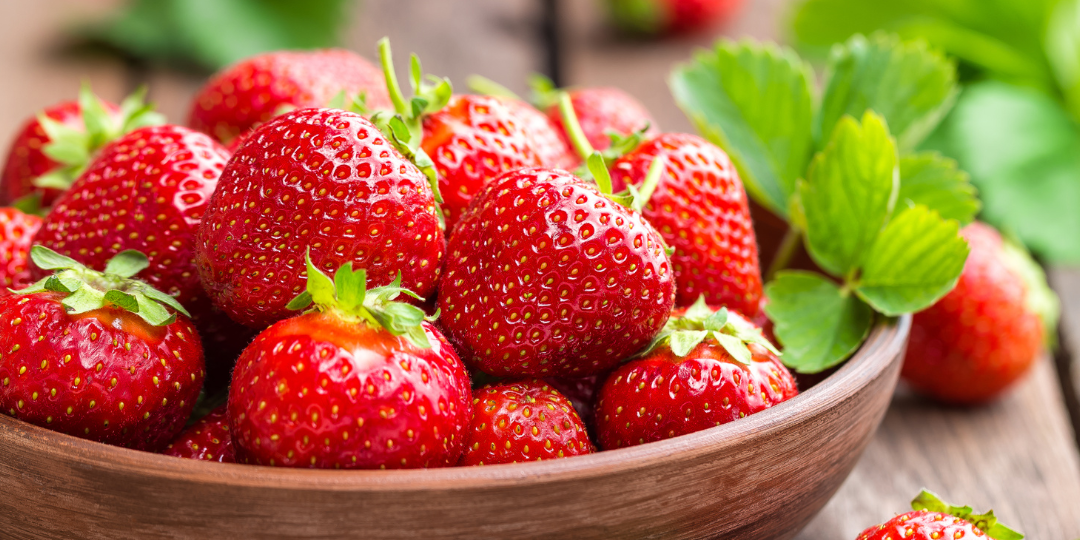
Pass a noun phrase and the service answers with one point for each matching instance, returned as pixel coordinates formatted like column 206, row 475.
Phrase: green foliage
column 937, row 182
column 211, row 34
column 700, row 322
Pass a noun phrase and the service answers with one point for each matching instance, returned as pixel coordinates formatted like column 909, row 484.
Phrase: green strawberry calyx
column 347, row 297
column 700, row 322
column 1039, row 298
column 987, row 522
column 87, row 290
column 74, row 148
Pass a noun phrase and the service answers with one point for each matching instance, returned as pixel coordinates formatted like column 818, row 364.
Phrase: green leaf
column 599, row 172
column 684, row 341
column 916, row 260
column 717, row 320
column 1023, row 154
column 300, row 301
column 735, row 347
column 163, row 298
column 47, row 259
column 818, row 324
column 1063, row 51
column 908, row 84
column 849, row 193
column 319, row 285
column 754, row 101
column 127, row 263
column 122, row 300
column 350, row 287
column 84, row 299
column 930, row 179
column 153, row 312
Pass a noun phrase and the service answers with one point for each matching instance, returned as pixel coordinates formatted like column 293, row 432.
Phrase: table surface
column 1018, row 455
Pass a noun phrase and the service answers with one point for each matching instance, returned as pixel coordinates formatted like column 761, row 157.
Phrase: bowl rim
column 882, row 347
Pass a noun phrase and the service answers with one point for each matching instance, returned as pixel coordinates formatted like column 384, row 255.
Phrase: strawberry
column 987, row 332
column 52, row 149
column 524, row 420
column 655, row 17
column 708, row 367
column 701, row 210
column 933, row 519
column 581, row 391
column 548, row 141
column 601, row 111
column 320, row 177
column 469, row 139
column 17, row 232
column 207, row 439
column 257, row 89
column 148, row 191
column 98, row 355
column 547, row 276
column 358, row 381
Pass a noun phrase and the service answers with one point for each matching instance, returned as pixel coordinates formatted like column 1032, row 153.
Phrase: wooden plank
column 35, row 75
column 1066, row 281
column 1015, row 456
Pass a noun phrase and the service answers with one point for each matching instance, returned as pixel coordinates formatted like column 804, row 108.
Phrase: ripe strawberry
column 148, row 191
column 548, row 141
column 599, row 111
column 705, row 369
column 359, row 381
column 259, row 88
column 207, row 439
column 524, row 420
column 52, row 149
column 17, row 232
column 548, row 276
column 97, row 355
column 322, row 178
column 653, row 17
column 581, row 391
column 701, row 210
column 988, row 331
column 933, row 519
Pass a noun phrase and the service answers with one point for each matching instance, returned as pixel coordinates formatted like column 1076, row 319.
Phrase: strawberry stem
column 573, row 128
column 599, row 171
column 488, row 87
column 649, row 185
column 386, row 60
column 785, row 252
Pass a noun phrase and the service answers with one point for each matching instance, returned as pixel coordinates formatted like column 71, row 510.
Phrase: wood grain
column 1066, row 282
column 762, row 477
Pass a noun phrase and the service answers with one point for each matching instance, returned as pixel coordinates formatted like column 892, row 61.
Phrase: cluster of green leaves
column 700, row 322
column 1015, row 127
column 210, row 34
column 882, row 222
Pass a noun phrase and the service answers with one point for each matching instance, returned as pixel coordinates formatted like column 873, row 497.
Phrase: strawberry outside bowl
column 762, row 477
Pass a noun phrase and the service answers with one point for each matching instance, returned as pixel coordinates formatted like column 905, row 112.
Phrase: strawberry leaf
column 47, row 259
column 935, row 181
column 127, row 263
column 319, row 284
column 818, row 323
column 905, row 82
column 754, row 101
column 683, row 342
column 915, row 261
column 849, row 193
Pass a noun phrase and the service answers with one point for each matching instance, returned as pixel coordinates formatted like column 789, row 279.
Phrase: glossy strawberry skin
column 321, row 179
column 660, row 395
column 472, row 140
column 259, row 88
column 104, row 375
column 547, row 277
column 207, row 439
column 17, row 232
column 548, row 140
column 923, row 525
column 604, row 109
column 26, row 160
column 313, row 391
column 980, row 338
column 701, row 209
column 519, row 421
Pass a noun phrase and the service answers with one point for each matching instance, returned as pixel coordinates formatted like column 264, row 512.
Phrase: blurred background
column 1014, row 129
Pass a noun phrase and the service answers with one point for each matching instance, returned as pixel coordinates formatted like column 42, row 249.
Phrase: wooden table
column 1019, row 455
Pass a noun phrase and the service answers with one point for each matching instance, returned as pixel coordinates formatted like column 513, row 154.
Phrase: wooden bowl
column 764, row 476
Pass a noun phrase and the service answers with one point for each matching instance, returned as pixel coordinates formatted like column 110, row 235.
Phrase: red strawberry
column 599, row 111
column 259, row 88
column 707, row 368
column 148, row 191
column 652, row 17
column 17, row 232
column 322, row 178
column 548, row 141
column 525, row 420
column 97, row 355
column 988, row 331
column 581, row 391
column 53, row 148
column 207, row 439
column 359, row 381
column 934, row 519
column 701, row 210
column 546, row 275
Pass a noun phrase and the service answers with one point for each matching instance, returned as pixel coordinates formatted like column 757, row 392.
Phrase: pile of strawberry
column 370, row 280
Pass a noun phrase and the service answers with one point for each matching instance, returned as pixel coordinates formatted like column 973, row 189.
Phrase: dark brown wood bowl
column 764, row 476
